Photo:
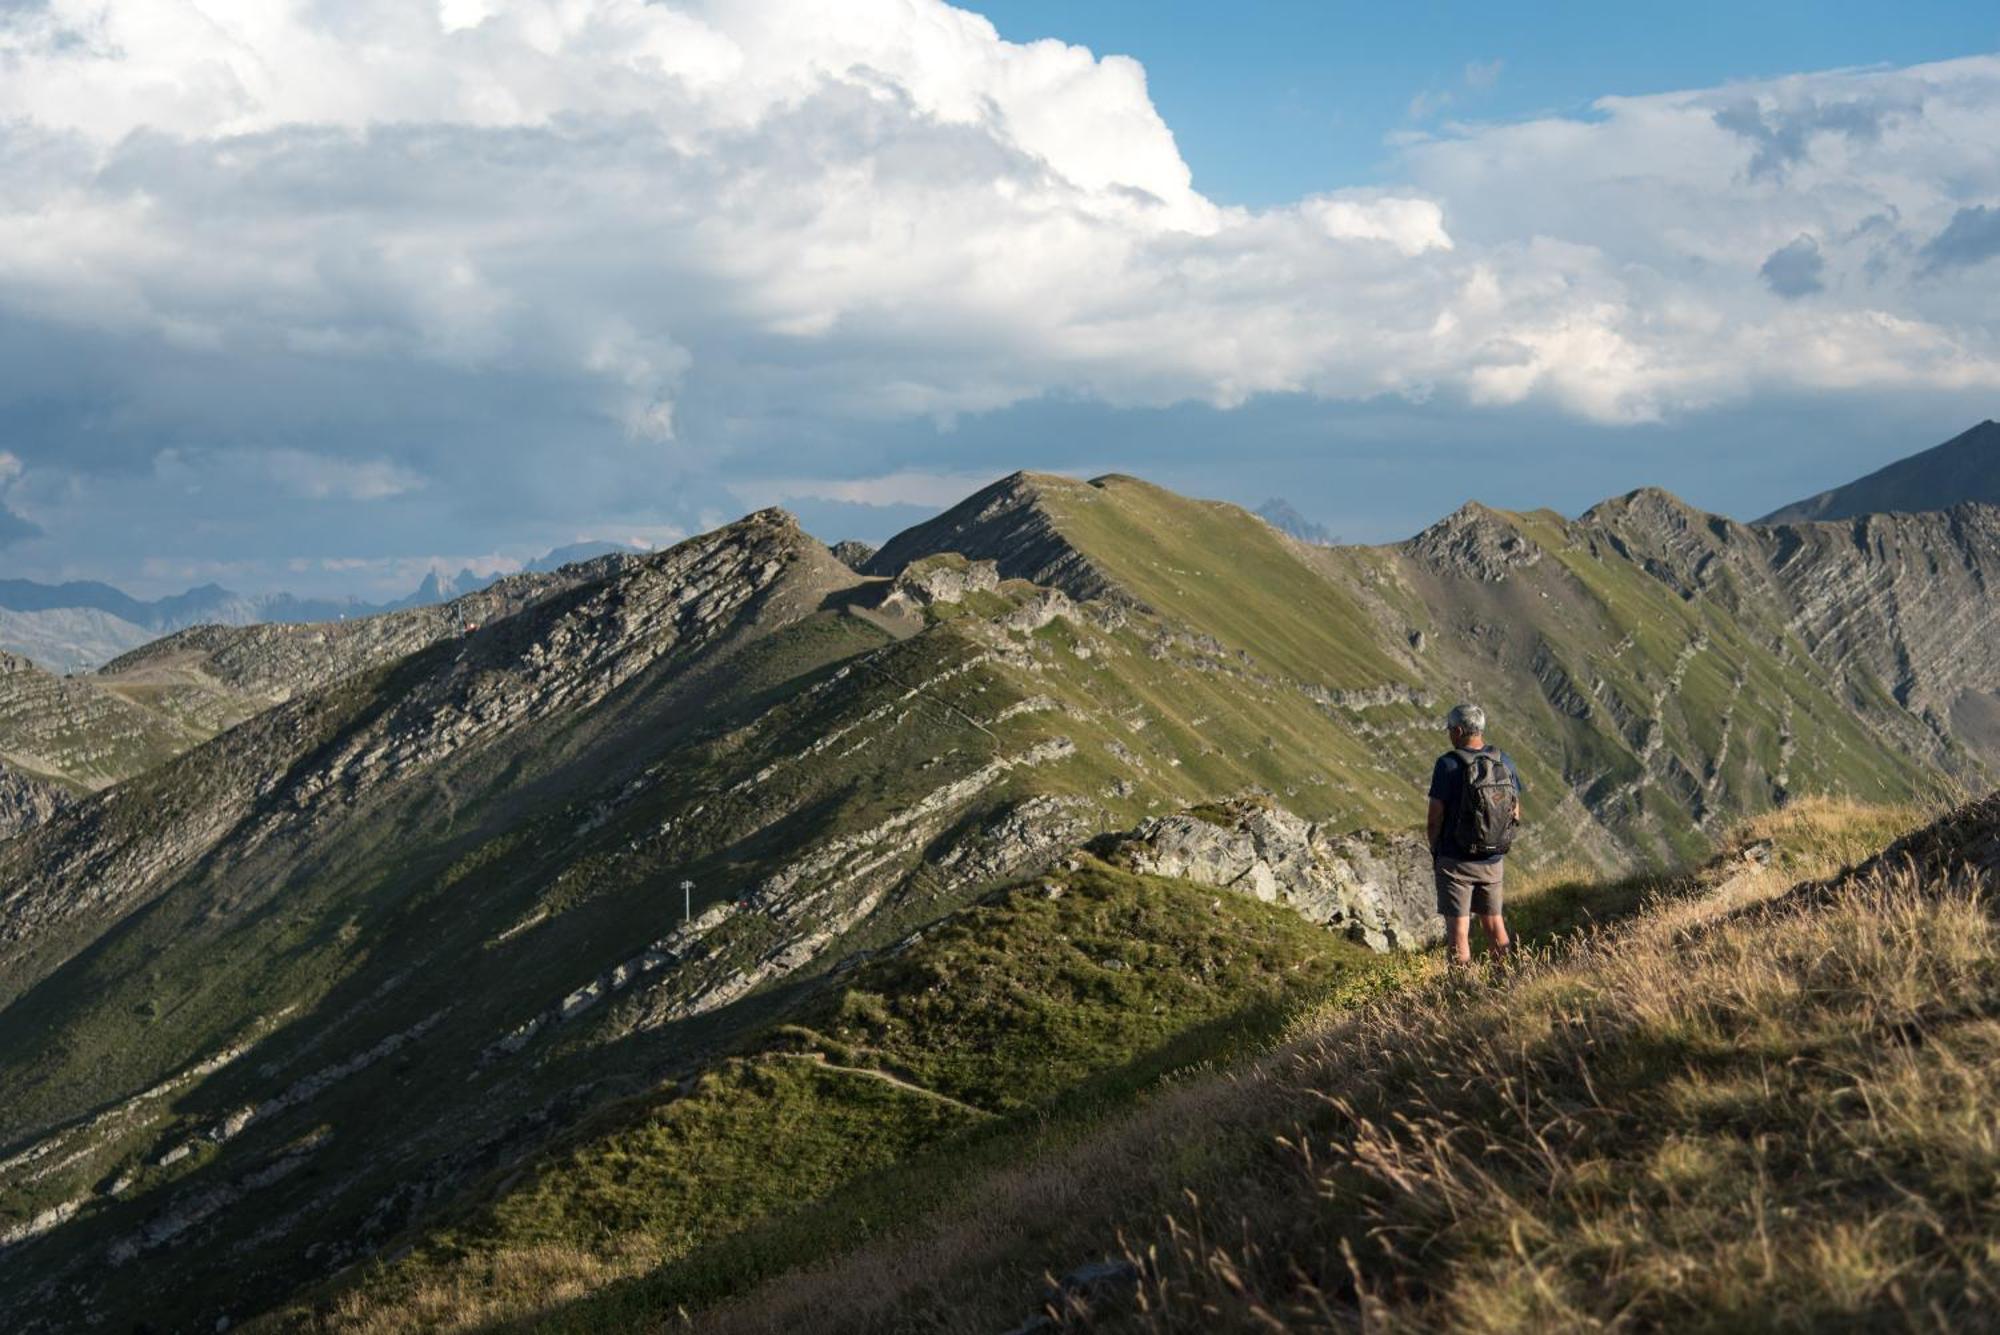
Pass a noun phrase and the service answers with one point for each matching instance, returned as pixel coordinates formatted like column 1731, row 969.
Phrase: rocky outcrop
column 1375, row 888
column 26, row 801
column 1476, row 543
column 941, row 579
column 1907, row 598
column 853, row 553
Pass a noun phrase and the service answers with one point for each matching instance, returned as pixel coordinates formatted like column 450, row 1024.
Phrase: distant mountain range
column 1964, row 468
column 83, row 624
column 1281, row 516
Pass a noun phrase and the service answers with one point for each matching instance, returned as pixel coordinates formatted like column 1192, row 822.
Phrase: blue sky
column 279, row 312
column 1280, row 98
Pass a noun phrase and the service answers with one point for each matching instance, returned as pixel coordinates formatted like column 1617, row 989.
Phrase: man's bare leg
column 1458, row 940
column 1498, row 943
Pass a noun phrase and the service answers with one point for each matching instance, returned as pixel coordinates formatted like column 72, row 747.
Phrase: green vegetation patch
column 1066, row 997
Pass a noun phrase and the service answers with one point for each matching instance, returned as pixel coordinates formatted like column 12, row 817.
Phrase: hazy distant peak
column 1280, row 515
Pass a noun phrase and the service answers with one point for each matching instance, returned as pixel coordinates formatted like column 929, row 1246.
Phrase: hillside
column 1964, row 470
column 1001, row 1028
column 283, row 1001
column 75, row 736
column 1763, row 1101
column 82, row 733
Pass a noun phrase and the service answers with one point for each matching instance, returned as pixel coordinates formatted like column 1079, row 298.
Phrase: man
column 1475, row 808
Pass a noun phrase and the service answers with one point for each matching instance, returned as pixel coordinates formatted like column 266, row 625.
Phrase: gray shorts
column 1466, row 888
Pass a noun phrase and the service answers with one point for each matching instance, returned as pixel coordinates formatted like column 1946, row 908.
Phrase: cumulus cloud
column 580, row 247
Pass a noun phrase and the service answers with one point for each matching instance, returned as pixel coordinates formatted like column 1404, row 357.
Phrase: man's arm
column 1434, row 824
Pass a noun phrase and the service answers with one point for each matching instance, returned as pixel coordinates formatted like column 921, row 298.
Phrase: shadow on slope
column 1742, row 1107
column 1037, row 1008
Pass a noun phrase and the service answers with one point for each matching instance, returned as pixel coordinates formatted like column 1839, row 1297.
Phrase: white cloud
column 701, row 223
column 1483, row 74
column 1412, row 226
column 320, row 477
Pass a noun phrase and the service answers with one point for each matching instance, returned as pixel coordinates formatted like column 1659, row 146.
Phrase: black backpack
column 1484, row 822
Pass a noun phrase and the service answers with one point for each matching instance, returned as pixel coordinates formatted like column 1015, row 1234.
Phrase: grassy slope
column 1226, row 573
column 1007, row 1008
column 1738, row 1108
column 1689, row 713
column 958, row 1049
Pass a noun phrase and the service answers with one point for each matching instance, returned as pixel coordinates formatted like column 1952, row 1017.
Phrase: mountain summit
column 1964, row 469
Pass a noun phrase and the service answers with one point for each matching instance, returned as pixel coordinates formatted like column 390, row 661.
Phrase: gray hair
column 1469, row 717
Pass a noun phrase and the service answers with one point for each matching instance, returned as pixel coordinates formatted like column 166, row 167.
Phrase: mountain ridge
column 392, row 934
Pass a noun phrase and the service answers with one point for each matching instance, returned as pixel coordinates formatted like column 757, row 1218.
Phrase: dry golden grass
column 1750, row 1107
column 501, row 1287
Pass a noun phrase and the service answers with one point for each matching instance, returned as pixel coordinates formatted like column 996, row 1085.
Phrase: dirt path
column 819, row 1059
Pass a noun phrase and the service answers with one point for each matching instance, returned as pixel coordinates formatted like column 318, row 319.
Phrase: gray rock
column 852, row 552
column 943, row 579
column 1376, row 888
column 26, row 801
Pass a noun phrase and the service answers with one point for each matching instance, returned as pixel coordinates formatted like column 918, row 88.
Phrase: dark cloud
column 1783, row 135
column 1971, row 237
column 1794, row 269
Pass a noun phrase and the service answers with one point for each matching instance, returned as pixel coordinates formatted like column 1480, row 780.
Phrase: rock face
column 1376, row 889
column 1897, row 603
column 941, row 579
column 159, row 700
column 566, row 655
column 1472, row 543
column 26, row 801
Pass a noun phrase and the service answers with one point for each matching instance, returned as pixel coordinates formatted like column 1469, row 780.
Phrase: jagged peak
column 1476, row 541
column 1644, row 500
column 1469, row 515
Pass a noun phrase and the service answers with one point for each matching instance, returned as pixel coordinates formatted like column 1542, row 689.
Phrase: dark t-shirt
column 1447, row 782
